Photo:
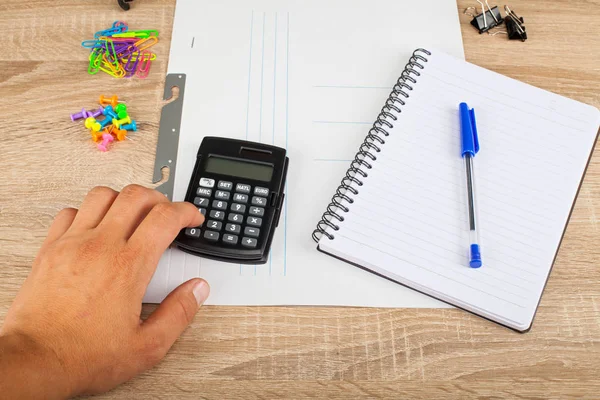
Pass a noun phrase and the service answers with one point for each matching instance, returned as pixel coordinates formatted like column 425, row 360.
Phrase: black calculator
column 239, row 187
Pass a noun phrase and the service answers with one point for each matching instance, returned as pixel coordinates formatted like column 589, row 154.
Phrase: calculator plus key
column 204, row 192
column 215, row 225
column 230, row 239
column 207, row 183
column 220, row 215
column 238, row 208
column 248, row 242
column 222, row 195
column 219, row 205
column 201, row 202
column 259, row 201
column 193, row 232
column 224, row 185
column 257, row 211
column 242, row 188
column 251, row 232
column 233, row 228
column 254, row 221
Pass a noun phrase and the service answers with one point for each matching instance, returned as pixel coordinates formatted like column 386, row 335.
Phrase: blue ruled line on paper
column 352, row 87
column 287, row 104
column 262, row 79
column 344, row 122
column 273, row 133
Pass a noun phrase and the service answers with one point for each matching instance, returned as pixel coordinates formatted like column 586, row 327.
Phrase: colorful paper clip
column 143, row 69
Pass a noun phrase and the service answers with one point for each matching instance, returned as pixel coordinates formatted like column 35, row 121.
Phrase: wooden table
column 276, row 352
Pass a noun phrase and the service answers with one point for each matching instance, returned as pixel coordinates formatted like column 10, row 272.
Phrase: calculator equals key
column 238, row 186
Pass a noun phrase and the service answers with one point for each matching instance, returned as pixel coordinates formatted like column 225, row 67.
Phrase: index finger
column 160, row 227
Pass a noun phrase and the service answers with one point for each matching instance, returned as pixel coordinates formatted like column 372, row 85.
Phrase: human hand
column 75, row 325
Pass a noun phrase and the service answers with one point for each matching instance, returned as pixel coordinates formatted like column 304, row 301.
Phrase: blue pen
column 470, row 147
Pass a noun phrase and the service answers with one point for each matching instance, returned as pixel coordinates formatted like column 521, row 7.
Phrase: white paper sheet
column 309, row 76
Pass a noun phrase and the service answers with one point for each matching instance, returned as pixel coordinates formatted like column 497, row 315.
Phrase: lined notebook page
column 409, row 221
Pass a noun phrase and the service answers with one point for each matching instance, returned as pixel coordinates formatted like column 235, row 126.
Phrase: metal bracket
column 168, row 134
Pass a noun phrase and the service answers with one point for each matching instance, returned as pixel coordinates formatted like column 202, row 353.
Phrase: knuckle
column 102, row 191
column 66, row 213
column 186, row 308
column 166, row 211
column 135, row 191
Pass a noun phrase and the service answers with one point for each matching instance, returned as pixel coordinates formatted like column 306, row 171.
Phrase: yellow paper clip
column 112, row 70
column 135, row 55
column 95, row 60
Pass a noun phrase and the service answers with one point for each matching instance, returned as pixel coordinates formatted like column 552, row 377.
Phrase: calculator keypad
column 233, row 212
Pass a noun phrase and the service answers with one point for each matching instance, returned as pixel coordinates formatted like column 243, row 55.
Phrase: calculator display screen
column 248, row 170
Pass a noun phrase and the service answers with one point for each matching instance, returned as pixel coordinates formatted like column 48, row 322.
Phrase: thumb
column 175, row 313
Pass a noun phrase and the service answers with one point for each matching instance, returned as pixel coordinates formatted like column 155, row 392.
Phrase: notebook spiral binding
column 372, row 142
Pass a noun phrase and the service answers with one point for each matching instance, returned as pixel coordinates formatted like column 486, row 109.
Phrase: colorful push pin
column 120, row 134
column 91, row 124
column 97, row 136
column 106, row 140
column 97, row 112
column 113, row 101
column 105, row 122
column 79, row 115
column 119, row 122
column 130, row 127
column 121, row 110
column 110, row 112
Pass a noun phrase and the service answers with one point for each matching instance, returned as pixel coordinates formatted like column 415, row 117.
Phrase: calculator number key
column 230, row 239
column 202, row 211
column 233, row 228
column 224, row 185
column 239, row 208
column 251, row 232
column 207, row 183
column 215, row 225
column 257, row 211
column 211, row 236
column 254, row 221
column 238, row 218
column 219, row 205
column 222, row 195
column 242, row 188
column 201, row 202
column 248, row 242
column 193, row 232
column 261, row 191
column 220, row 215
column 259, row 201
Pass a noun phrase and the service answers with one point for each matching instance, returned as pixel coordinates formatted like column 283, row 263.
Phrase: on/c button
column 207, row 183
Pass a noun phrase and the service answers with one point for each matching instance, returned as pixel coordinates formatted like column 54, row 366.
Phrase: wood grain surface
column 286, row 352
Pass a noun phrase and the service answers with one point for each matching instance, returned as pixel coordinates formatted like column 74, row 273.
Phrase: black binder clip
column 487, row 19
column 514, row 25
column 124, row 4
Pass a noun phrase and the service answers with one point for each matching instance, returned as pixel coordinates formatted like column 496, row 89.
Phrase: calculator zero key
column 239, row 187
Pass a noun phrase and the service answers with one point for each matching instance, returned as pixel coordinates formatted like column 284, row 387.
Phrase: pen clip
column 468, row 130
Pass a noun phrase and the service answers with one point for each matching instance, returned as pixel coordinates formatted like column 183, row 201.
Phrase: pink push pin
column 106, row 140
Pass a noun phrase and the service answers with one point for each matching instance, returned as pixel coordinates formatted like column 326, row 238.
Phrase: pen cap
column 468, row 130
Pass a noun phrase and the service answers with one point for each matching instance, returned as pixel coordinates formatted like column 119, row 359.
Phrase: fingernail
column 201, row 291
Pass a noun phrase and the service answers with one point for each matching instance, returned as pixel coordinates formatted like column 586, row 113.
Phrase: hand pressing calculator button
column 239, row 187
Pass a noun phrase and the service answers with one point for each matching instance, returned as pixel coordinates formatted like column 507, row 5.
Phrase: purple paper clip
column 131, row 65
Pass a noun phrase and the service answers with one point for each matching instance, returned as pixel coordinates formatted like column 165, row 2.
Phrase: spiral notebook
column 401, row 209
